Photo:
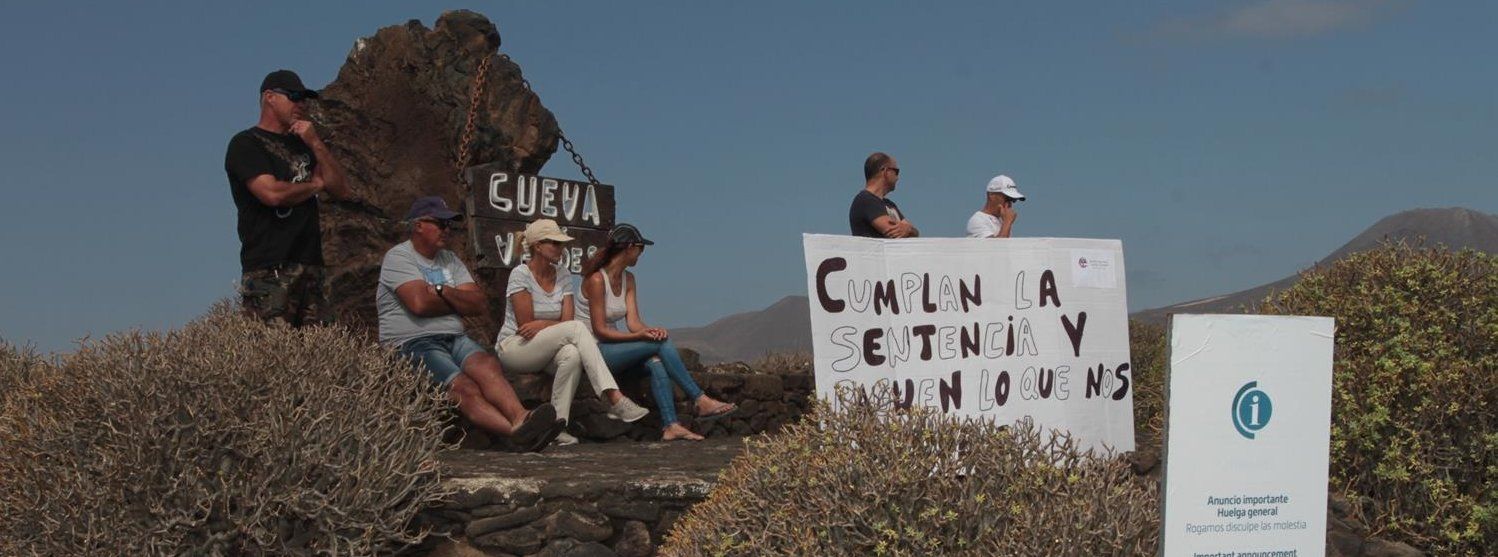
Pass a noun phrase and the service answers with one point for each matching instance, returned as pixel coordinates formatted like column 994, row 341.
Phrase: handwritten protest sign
column 1007, row 329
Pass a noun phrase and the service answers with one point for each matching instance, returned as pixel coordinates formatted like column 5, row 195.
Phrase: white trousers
column 562, row 350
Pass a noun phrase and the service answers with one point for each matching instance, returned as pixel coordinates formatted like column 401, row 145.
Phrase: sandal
column 723, row 409
column 688, row 436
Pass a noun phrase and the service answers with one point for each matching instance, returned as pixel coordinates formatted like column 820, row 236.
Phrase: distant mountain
column 1455, row 227
column 786, row 325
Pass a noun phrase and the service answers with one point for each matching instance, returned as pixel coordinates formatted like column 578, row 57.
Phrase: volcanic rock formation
column 395, row 117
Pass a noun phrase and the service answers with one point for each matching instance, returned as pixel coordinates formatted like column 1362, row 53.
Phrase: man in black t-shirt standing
column 276, row 169
column 872, row 214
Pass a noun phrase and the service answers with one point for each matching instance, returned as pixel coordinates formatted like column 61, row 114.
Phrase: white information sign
column 1007, row 329
column 1247, row 436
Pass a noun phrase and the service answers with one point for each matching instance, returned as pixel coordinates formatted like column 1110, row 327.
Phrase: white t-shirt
column 544, row 305
column 983, row 225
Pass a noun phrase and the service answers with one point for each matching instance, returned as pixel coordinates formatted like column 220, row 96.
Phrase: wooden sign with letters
column 503, row 202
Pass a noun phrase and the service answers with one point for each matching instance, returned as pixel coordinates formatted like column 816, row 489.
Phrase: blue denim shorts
column 443, row 355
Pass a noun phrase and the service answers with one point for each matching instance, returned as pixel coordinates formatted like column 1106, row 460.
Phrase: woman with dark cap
column 608, row 297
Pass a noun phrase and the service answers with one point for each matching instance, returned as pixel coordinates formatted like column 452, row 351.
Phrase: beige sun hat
column 544, row 229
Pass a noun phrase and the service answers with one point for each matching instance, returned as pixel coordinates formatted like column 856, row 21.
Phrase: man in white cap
column 998, row 214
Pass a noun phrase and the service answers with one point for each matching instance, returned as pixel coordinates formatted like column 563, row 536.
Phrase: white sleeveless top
column 614, row 306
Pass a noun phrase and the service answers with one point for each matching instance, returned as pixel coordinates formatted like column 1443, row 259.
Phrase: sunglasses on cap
column 295, row 96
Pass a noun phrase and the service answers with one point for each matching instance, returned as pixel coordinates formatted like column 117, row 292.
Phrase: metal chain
column 474, row 95
column 576, row 158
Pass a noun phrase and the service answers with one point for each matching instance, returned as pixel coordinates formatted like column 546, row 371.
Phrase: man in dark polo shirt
column 276, row 169
column 872, row 214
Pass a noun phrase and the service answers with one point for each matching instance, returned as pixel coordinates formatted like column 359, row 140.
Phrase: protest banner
column 1004, row 329
column 1247, row 435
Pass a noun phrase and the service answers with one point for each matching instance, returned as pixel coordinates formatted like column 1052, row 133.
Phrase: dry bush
column 227, row 437
column 783, row 363
column 1415, row 390
column 19, row 369
column 868, row 482
column 770, row 363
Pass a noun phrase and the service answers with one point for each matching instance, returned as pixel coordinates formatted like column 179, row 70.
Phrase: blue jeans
column 443, row 355
column 660, row 360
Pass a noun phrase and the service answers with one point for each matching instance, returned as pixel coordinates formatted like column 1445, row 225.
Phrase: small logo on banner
column 1082, row 262
column 1251, row 409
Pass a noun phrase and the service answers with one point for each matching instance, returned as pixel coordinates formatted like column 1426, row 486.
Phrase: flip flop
column 727, row 409
column 695, row 437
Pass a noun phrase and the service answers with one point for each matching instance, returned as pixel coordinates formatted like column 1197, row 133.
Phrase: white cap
column 1005, row 185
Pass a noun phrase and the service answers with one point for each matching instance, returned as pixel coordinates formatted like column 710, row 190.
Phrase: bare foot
column 676, row 431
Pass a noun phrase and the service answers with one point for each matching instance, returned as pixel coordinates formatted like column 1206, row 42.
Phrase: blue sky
column 1227, row 144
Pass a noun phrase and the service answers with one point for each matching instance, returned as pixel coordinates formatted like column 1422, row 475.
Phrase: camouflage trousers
column 293, row 293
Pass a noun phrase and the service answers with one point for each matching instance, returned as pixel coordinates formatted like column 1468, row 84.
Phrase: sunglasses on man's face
column 896, row 170
column 293, row 96
column 443, row 225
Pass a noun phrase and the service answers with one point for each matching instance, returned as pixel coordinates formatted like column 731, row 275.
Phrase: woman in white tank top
column 628, row 345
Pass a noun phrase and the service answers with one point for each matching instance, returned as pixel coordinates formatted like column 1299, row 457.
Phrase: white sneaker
column 564, row 439
column 627, row 411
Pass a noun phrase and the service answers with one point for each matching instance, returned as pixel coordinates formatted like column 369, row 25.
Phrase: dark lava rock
column 520, row 541
column 573, row 548
column 394, row 117
column 579, row 525
column 634, row 541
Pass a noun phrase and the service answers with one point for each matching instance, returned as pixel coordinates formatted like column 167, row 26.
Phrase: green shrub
column 870, row 483
column 1415, row 390
column 227, row 437
column 1147, row 357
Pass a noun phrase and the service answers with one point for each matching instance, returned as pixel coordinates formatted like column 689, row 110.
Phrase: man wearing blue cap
column 423, row 295
column 276, row 169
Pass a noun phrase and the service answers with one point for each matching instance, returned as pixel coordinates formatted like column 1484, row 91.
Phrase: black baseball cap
column 626, row 234
column 432, row 207
column 288, row 81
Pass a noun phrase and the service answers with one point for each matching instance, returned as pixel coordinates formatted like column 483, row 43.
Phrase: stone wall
column 766, row 403
column 597, row 499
